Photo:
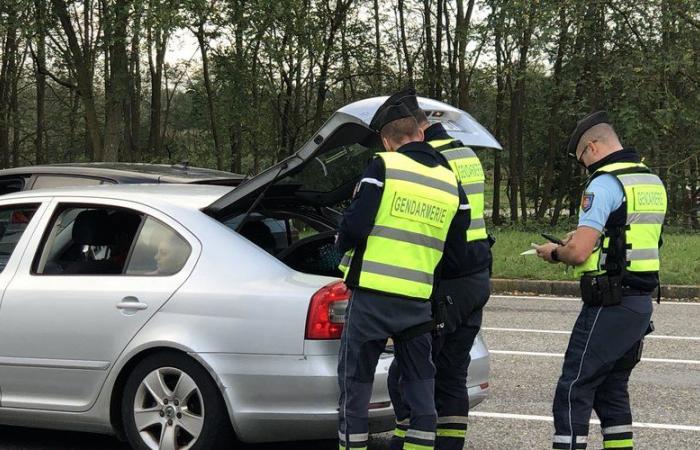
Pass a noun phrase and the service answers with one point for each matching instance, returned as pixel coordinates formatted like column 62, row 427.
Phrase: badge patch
column 587, row 201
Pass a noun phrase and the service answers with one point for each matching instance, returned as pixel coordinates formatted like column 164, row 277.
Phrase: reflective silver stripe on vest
column 417, row 434
column 618, row 429
column 458, row 153
column 603, row 258
column 453, row 419
column 345, row 261
column 646, row 218
column 405, row 175
column 638, row 178
column 473, row 188
column 357, row 437
column 397, row 272
column 477, row 223
column 642, row 253
column 407, row 236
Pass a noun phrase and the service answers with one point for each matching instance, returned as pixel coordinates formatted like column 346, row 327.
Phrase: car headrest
column 93, row 227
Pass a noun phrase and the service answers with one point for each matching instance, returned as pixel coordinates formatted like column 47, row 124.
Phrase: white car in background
column 136, row 310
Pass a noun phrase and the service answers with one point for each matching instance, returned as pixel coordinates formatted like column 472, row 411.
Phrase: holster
column 634, row 354
column 604, row 290
column 436, row 325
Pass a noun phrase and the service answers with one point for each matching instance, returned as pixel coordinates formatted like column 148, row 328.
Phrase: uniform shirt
column 358, row 218
column 477, row 256
column 603, row 196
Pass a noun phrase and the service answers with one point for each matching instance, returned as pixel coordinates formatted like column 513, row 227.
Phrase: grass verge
column 680, row 258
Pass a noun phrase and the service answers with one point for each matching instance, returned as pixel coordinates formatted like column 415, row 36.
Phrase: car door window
column 87, row 240
column 54, row 181
column 13, row 221
column 159, row 251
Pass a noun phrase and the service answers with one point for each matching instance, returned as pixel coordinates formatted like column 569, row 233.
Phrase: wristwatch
column 555, row 255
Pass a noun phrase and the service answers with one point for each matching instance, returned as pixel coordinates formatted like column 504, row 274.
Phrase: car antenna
column 259, row 198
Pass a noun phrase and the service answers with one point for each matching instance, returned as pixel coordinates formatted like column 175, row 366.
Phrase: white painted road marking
column 577, row 299
column 658, row 426
column 530, row 330
column 561, row 355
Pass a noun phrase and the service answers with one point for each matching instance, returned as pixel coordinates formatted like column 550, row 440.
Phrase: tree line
column 240, row 84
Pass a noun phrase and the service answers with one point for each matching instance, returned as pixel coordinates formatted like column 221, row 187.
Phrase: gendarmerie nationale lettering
column 418, row 208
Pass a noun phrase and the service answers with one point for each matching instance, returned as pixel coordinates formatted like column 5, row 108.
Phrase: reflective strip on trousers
column 407, row 236
column 619, row 443
column 561, row 439
column 357, row 437
column 397, row 272
column 418, row 434
column 617, row 429
column 453, row 419
column 451, row 433
column 404, row 175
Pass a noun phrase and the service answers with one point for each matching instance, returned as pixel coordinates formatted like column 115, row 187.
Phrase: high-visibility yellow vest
column 645, row 202
column 406, row 243
column 467, row 167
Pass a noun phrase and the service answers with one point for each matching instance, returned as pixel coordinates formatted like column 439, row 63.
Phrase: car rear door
column 67, row 314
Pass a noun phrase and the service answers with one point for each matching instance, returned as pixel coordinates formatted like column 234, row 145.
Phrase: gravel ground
column 665, row 394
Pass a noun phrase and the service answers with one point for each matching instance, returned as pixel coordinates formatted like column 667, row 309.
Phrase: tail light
column 327, row 312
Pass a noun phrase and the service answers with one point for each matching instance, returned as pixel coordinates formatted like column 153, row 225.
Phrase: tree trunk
column 438, row 49
column 404, row 44
column 117, row 92
column 462, row 36
column 429, row 57
column 7, row 71
column 210, row 96
column 133, row 116
column 336, row 20
column 554, row 124
column 40, row 18
column 377, row 50
column 157, row 39
column 498, row 129
column 83, row 78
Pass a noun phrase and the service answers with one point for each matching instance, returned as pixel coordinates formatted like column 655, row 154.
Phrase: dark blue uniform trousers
column 370, row 320
column 596, row 371
column 451, row 357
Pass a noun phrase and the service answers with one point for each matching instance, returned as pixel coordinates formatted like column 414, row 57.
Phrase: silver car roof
column 191, row 196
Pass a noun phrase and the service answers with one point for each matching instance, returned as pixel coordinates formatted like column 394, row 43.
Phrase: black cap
column 387, row 113
column 407, row 97
column 584, row 125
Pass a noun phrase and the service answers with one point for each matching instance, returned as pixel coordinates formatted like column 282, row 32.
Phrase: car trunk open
column 311, row 185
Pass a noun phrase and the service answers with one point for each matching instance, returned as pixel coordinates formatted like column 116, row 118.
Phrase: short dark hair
column 420, row 116
column 398, row 129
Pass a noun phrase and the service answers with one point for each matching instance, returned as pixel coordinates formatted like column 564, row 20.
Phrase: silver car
column 170, row 316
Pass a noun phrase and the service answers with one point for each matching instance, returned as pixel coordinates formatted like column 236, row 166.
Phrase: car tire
column 170, row 402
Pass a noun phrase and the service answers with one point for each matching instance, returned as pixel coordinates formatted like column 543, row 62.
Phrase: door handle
column 131, row 304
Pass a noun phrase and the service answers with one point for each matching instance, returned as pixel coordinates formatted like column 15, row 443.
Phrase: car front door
column 94, row 273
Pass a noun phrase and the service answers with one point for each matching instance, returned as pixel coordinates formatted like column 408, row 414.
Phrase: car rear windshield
column 339, row 160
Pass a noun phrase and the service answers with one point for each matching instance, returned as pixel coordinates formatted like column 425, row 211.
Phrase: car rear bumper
column 279, row 398
column 282, row 398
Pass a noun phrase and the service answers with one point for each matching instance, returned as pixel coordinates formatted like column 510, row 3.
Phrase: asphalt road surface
column 527, row 337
